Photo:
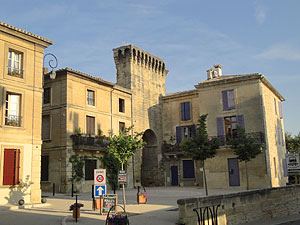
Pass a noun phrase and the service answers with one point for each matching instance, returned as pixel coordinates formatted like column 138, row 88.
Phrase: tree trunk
column 123, row 190
column 247, row 175
column 205, row 182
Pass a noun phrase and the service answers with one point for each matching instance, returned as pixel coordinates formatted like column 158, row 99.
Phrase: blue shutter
column 280, row 110
column 187, row 111
column 220, row 128
column 182, row 111
column 285, row 174
column 193, row 129
column 230, row 97
column 178, row 135
column 240, row 121
column 225, row 100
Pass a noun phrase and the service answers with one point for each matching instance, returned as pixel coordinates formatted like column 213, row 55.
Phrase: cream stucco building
column 21, row 62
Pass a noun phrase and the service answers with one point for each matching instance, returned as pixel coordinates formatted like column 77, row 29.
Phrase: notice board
column 109, row 201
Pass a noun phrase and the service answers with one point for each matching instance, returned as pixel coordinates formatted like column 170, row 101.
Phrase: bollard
column 53, row 189
column 76, row 209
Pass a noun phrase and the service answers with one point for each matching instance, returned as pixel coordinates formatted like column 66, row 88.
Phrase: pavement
column 161, row 209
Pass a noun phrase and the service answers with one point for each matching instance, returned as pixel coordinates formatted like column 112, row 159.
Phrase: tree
column 123, row 146
column 112, row 165
column 77, row 163
column 246, row 148
column 199, row 146
column 292, row 143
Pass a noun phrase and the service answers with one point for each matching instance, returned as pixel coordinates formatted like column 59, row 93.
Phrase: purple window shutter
column 187, row 111
column 193, row 129
column 178, row 135
column 230, row 95
column 275, row 106
column 285, row 174
column 240, row 121
column 225, row 100
column 220, row 128
column 182, row 111
column 280, row 110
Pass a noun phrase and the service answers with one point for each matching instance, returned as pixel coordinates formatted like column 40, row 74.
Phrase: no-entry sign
column 99, row 176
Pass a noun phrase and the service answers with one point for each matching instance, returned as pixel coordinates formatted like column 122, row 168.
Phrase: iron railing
column 16, row 72
column 13, row 120
column 83, row 142
column 207, row 214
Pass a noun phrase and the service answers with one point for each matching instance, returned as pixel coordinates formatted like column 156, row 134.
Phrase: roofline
column 11, row 29
column 242, row 77
column 180, row 94
column 95, row 79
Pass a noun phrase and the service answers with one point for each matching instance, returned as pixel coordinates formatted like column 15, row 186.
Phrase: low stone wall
column 243, row 207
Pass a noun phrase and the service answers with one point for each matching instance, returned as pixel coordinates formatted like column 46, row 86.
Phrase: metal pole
column 72, row 189
column 53, row 189
column 76, row 209
column 93, row 198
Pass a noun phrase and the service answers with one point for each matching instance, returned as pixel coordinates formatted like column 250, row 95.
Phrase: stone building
column 21, row 78
column 246, row 100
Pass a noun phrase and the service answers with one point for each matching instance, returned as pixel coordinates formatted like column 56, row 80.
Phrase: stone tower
column 145, row 75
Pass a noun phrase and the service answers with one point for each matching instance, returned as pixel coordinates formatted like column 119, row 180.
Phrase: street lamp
column 53, row 66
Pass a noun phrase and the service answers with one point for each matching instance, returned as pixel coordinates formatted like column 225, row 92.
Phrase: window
column 90, row 97
column 121, row 105
column 90, row 125
column 11, row 166
column 46, row 126
column 15, row 63
column 47, row 96
column 90, row 165
column 188, row 169
column 121, row 127
column 228, row 100
column 185, row 111
column 230, row 127
column 45, row 168
column 185, row 132
column 12, row 111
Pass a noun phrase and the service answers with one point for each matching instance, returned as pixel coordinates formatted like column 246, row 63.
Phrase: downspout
column 263, row 111
column 111, row 111
column 133, row 178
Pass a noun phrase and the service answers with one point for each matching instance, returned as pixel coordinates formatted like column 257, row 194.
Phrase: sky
column 253, row 36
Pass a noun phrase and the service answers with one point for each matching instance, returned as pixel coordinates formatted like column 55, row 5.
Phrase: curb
column 63, row 222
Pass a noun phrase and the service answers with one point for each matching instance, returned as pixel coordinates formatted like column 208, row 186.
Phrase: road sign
column 122, row 177
column 293, row 164
column 99, row 190
column 99, row 176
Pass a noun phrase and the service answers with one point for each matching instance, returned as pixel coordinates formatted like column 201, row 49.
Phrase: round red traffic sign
column 99, row 178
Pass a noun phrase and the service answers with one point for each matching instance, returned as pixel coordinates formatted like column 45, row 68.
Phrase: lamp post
column 52, row 63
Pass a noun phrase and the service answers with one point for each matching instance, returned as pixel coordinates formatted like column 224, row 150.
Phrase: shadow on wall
column 19, row 192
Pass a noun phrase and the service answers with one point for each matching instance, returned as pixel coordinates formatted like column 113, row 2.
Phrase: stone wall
column 243, row 207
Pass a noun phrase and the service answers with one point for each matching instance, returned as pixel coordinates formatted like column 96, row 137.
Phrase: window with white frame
column 90, row 97
column 13, row 110
column 15, row 63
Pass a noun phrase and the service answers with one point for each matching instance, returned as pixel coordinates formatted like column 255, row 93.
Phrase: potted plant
column 76, row 209
column 118, row 219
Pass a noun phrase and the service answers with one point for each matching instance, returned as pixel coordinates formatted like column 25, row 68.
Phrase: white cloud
column 260, row 14
column 280, row 52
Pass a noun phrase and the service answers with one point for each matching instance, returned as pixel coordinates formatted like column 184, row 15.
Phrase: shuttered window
column 90, row 165
column 185, row 132
column 280, row 110
column 188, row 169
column 275, row 107
column 228, row 100
column 11, row 166
column 45, row 168
column 90, row 125
column 227, row 127
column 121, row 127
column 185, row 111
column 46, row 127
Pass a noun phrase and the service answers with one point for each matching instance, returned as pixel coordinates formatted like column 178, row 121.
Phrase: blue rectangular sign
column 99, row 190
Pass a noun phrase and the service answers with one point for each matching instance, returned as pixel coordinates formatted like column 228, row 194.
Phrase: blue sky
column 243, row 36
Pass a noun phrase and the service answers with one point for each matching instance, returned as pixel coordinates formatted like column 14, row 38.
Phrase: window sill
column 13, row 127
column 47, row 140
column 188, row 179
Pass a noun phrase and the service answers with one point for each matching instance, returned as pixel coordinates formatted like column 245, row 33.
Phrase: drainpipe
column 111, row 110
column 133, row 178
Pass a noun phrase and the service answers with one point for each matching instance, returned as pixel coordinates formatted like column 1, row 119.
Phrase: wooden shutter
column 46, row 127
column 187, row 111
column 193, row 129
column 225, row 100
column 230, row 101
column 220, row 128
column 182, row 111
column 188, row 169
column 11, row 166
column 280, row 110
column 90, row 125
column 178, row 134
column 240, row 121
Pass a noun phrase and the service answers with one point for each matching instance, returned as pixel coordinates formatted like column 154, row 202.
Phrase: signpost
column 292, row 163
column 122, row 177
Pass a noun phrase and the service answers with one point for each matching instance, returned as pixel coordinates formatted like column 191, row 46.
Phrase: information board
column 122, row 177
column 109, row 201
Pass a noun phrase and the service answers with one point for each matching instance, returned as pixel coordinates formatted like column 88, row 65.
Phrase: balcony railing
column 13, row 120
column 16, row 72
column 82, row 142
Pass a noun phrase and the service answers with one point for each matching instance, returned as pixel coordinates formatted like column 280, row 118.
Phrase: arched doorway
column 149, row 158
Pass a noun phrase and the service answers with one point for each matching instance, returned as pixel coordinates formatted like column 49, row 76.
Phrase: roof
column 180, row 94
column 237, row 78
column 10, row 27
column 93, row 78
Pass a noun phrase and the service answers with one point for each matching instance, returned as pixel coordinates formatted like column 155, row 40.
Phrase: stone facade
column 21, row 62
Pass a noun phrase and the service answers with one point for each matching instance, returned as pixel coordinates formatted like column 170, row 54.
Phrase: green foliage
column 245, row 147
column 77, row 168
column 125, row 145
column 77, row 131
column 112, row 166
column 199, row 147
column 292, row 143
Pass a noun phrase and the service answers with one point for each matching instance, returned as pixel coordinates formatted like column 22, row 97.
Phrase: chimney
column 218, row 69
column 209, row 74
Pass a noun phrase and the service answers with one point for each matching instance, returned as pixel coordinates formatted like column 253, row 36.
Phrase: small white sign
column 99, row 176
column 292, row 163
